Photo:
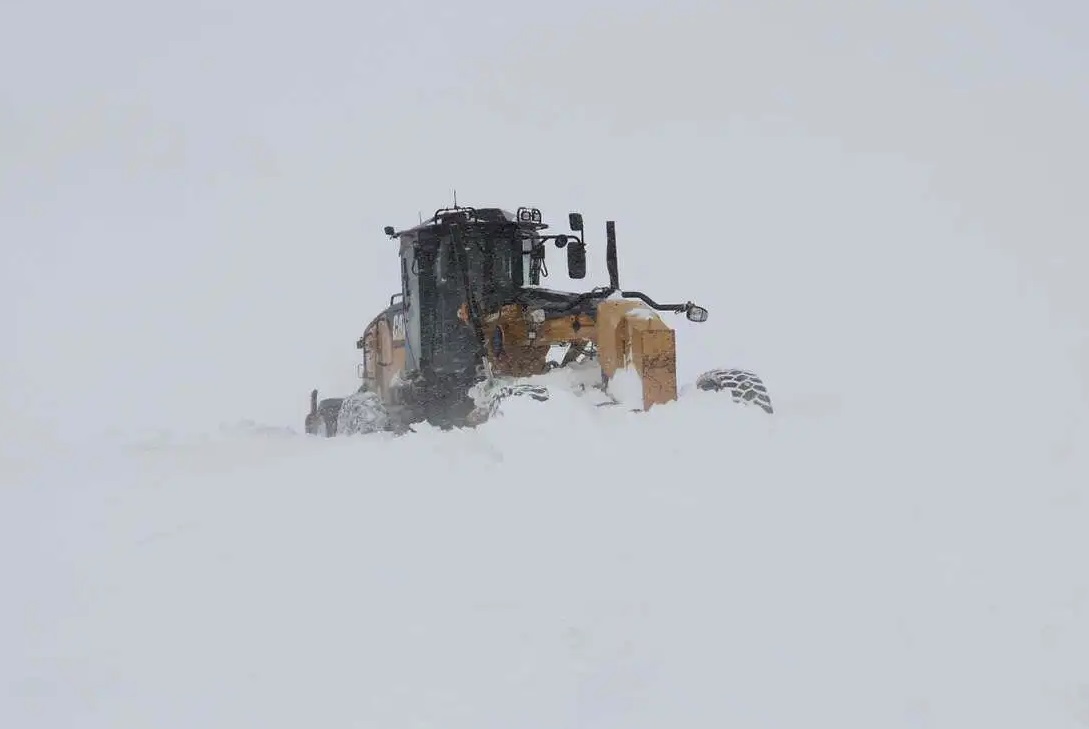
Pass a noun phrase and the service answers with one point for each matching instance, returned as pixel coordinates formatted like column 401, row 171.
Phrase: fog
column 192, row 196
column 880, row 203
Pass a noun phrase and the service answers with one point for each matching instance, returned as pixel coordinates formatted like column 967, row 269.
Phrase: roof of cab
column 470, row 215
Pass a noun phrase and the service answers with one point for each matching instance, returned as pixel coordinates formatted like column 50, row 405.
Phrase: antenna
column 455, row 198
column 420, row 213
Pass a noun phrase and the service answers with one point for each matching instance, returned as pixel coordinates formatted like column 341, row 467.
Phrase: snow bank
column 564, row 565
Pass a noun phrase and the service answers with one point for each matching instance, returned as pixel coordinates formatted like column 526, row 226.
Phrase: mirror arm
column 654, row 304
column 687, row 308
column 565, row 238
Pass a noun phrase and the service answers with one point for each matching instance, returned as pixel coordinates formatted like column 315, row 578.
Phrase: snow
column 626, row 387
column 881, row 208
column 563, row 565
column 641, row 312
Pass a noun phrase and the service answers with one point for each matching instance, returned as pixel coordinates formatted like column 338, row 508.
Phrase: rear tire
column 362, row 412
column 743, row 386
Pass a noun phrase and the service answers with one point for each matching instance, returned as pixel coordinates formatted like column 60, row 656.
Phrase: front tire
column 743, row 386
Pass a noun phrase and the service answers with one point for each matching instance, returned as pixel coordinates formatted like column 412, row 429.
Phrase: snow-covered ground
column 562, row 566
column 881, row 205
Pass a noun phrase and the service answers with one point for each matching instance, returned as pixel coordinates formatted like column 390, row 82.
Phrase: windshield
column 499, row 263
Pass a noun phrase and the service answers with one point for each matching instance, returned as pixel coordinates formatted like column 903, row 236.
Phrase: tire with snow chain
column 362, row 412
column 744, row 386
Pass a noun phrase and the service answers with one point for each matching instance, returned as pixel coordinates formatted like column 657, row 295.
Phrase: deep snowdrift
column 564, row 565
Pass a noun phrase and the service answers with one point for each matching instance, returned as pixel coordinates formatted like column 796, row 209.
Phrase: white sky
column 192, row 194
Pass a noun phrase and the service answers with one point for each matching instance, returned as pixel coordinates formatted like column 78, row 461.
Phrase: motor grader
column 472, row 325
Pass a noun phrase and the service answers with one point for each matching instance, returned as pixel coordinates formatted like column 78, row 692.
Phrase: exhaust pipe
column 610, row 254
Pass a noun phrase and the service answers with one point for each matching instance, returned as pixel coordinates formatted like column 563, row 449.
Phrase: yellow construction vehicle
column 472, row 326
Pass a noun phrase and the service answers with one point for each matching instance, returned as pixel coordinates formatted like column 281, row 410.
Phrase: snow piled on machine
column 702, row 564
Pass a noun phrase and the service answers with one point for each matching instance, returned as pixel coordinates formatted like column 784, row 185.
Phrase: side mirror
column 574, row 222
column 696, row 313
column 388, row 230
column 576, row 259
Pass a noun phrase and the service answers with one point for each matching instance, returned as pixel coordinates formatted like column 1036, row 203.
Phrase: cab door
column 390, row 349
column 369, row 366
